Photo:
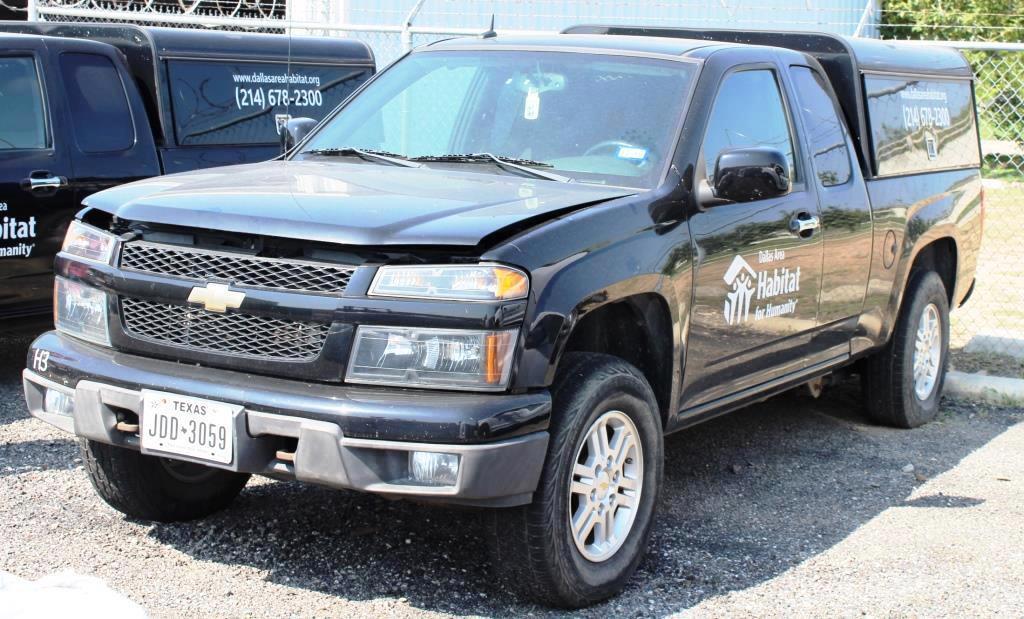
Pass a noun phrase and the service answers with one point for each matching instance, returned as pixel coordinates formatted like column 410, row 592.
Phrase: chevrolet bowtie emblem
column 216, row 297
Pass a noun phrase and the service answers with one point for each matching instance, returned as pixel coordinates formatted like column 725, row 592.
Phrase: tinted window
column 229, row 103
column 825, row 132
column 921, row 125
column 748, row 112
column 101, row 119
column 22, row 120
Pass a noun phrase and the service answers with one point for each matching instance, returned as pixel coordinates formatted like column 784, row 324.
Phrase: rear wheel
column 152, row 488
column 903, row 382
column 587, row 529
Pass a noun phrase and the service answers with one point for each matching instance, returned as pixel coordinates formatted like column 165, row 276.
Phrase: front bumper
column 343, row 437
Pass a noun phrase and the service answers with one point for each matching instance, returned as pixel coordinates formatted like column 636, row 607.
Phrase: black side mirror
column 294, row 130
column 748, row 174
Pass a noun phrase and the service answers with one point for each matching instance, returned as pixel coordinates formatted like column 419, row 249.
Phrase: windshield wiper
column 519, row 165
column 368, row 155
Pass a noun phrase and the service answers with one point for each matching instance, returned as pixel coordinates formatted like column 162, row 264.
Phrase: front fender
column 605, row 254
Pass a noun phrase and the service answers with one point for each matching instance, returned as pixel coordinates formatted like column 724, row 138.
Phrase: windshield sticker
column 14, row 229
column 632, row 153
column 532, row 109
column 761, row 287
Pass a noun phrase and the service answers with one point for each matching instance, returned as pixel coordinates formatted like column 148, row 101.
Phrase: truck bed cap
column 184, row 42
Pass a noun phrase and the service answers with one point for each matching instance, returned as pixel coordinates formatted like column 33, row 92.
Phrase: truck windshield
column 593, row 118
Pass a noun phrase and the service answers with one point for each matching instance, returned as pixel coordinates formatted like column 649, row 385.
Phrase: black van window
column 748, row 111
column 825, row 131
column 919, row 125
column 100, row 116
column 234, row 103
column 22, row 116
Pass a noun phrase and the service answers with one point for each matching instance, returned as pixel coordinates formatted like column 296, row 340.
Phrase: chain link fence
column 991, row 324
column 992, row 321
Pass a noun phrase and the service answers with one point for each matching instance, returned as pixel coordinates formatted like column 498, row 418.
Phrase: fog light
column 58, row 402
column 435, row 469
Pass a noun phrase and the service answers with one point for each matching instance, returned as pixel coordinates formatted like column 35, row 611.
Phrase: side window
column 825, row 131
column 919, row 125
column 101, row 118
column 22, row 115
column 748, row 111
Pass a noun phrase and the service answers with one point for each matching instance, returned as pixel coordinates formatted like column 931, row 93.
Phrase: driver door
column 756, row 281
column 36, row 200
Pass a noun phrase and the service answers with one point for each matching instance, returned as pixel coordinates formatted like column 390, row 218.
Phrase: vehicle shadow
column 13, row 348
column 38, row 455
column 746, row 497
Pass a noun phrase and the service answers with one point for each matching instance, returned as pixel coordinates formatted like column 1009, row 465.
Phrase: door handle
column 804, row 225
column 42, row 181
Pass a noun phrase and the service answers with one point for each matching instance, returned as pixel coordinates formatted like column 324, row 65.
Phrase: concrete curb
column 994, row 389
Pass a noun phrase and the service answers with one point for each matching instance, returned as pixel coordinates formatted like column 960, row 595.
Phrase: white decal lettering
column 749, row 285
column 13, row 229
column 41, row 360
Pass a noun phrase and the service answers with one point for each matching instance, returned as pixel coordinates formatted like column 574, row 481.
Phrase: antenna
column 490, row 34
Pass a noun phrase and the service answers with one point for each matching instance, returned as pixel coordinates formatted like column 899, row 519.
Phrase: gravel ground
column 793, row 505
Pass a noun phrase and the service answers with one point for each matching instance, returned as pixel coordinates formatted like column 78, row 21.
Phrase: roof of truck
column 596, row 42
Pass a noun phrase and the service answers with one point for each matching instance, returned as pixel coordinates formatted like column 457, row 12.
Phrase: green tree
column 953, row 20
column 1000, row 85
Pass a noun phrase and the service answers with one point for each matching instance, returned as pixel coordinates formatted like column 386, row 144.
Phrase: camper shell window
column 235, row 102
column 920, row 124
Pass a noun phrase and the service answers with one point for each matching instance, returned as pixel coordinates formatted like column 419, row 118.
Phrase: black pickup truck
column 506, row 268
column 85, row 107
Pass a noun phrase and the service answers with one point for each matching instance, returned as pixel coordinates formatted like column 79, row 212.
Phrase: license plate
column 182, row 425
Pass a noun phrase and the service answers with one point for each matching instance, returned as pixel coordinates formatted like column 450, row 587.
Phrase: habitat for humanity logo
column 749, row 285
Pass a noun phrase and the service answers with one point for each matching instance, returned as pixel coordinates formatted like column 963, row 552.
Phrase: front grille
column 234, row 333
column 206, row 265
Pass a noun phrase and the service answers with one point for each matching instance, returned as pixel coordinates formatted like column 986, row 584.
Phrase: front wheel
column 587, row 529
column 153, row 488
column 903, row 382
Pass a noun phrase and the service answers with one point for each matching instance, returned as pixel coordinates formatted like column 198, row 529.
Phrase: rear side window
column 22, row 115
column 234, row 103
column 826, row 133
column 748, row 112
column 920, row 125
column 101, row 118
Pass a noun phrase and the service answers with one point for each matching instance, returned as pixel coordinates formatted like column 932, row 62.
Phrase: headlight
column 480, row 282
column 432, row 358
column 80, row 310
column 84, row 241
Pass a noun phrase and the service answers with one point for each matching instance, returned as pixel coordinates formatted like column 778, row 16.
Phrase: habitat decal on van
column 14, row 229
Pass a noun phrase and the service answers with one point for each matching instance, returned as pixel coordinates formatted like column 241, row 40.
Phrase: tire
column 152, row 488
column 533, row 546
column 892, row 392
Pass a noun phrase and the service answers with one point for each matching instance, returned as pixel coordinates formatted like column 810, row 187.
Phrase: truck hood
column 348, row 203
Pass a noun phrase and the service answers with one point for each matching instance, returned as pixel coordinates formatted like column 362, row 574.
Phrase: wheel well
column 637, row 329
column 938, row 256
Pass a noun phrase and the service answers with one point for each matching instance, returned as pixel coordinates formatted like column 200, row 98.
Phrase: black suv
column 507, row 267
